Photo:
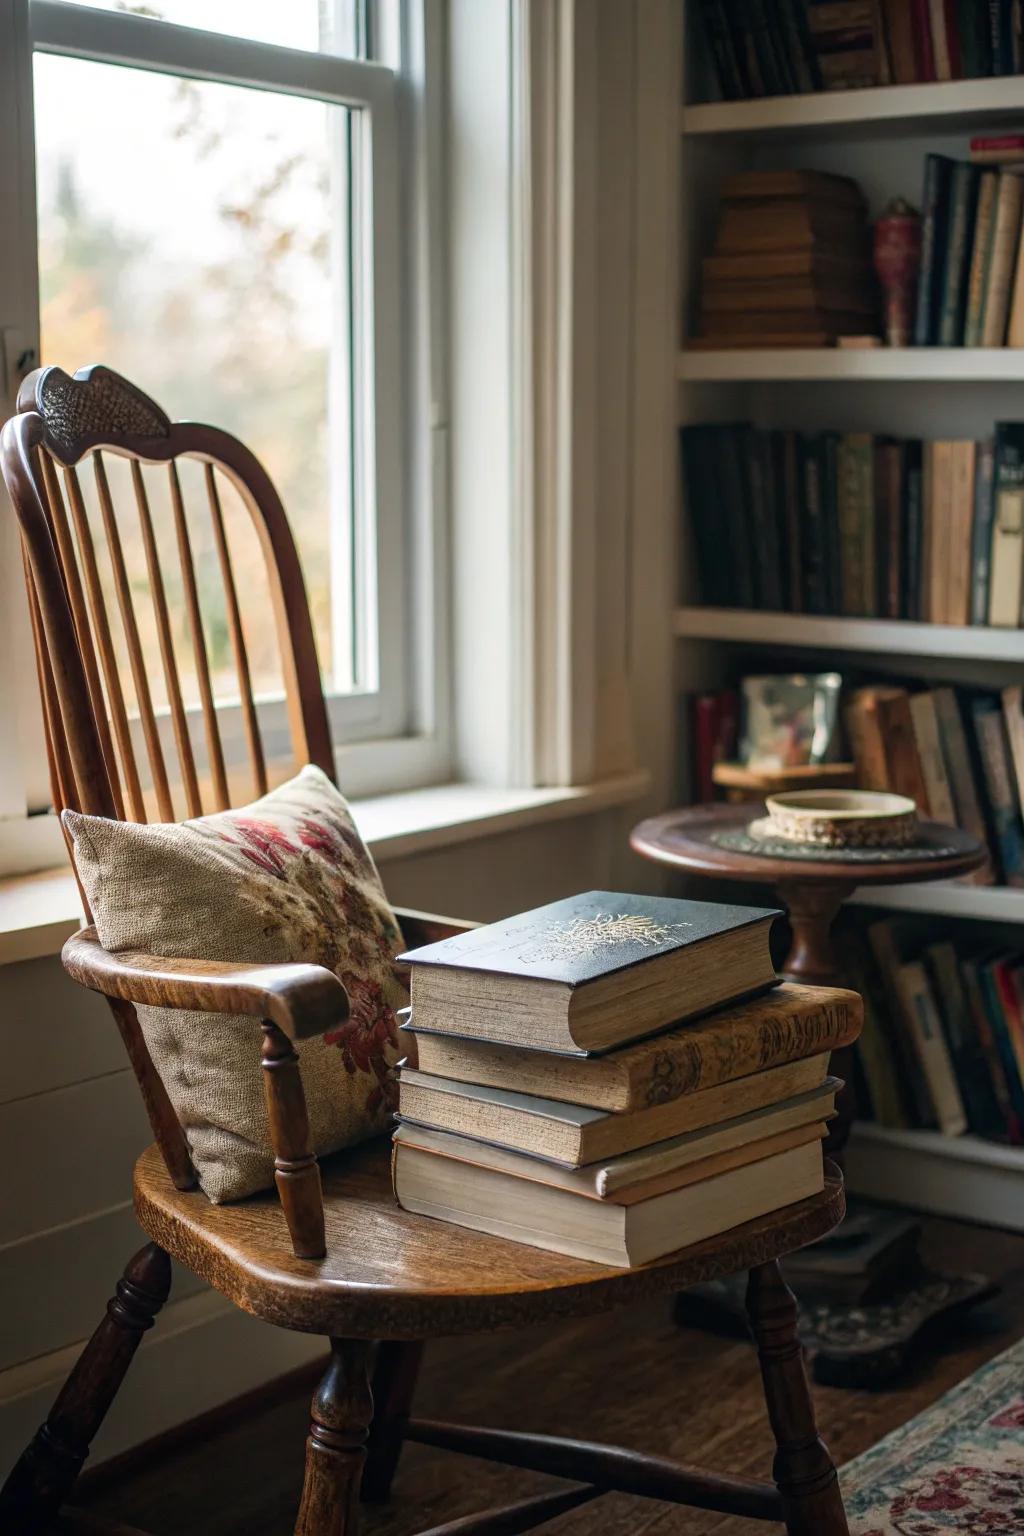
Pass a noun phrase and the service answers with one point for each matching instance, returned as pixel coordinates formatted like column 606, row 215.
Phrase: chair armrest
column 293, row 1002
column 425, row 928
column 302, row 1000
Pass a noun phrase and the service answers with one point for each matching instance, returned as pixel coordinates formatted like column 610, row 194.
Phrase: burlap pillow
column 286, row 878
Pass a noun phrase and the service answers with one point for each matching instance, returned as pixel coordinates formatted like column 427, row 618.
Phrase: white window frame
column 393, row 735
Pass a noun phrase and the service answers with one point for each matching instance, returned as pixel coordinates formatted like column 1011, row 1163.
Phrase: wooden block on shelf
column 742, row 783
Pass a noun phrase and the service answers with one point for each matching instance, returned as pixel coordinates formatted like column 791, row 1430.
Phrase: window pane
column 195, row 237
column 320, row 26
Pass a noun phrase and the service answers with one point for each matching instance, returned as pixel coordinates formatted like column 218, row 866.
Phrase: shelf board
column 897, row 637
column 945, row 898
column 959, row 1176
column 894, row 365
column 972, row 103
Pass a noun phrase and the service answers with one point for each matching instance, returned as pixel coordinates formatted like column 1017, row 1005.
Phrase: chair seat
column 389, row 1274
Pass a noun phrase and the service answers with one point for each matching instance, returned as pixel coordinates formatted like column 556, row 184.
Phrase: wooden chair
column 342, row 1260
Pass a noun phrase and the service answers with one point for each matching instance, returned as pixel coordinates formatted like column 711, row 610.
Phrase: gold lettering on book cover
column 583, row 938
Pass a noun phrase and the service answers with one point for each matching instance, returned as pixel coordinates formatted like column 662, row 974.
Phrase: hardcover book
column 603, row 1231
column 591, row 972
column 792, row 1021
column 575, row 1134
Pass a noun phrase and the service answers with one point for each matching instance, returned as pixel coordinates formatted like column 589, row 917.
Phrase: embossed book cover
column 590, row 972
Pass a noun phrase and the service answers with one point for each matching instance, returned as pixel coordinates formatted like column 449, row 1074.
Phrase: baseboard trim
column 180, row 1437
column 202, row 1354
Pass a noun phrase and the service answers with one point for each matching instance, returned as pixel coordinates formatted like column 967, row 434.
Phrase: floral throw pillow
column 286, row 878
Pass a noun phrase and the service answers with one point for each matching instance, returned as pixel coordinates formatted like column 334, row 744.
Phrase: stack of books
column 561, row 1100
column 854, row 524
column 970, row 289
column 785, row 47
column 790, row 266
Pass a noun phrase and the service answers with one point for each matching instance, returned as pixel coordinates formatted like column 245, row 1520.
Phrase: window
column 215, row 196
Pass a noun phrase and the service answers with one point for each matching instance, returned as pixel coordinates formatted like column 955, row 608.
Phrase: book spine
column 734, row 500
column 705, row 736
column 975, row 47
column 963, row 193
column 889, row 489
column 719, row 39
column 1013, row 715
column 1006, row 570
column 905, row 776
column 981, row 536
column 899, row 28
column 938, row 794
column 864, row 452
column 863, row 728
column 815, row 591
column 984, row 229
column 851, row 558
column 1001, row 792
column 953, row 47
column 1001, row 36
column 734, row 1048
column 1015, row 324
column 1001, row 1087
column 972, row 1074
column 763, row 37
column 913, row 532
column 1002, row 259
column 933, row 1053
column 702, row 503
column 963, row 778
column 938, row 510
column 993, row 1000
column 940, row 41
column 1008, row 986
column 958, row 552
column 764, row 526
column 924, row 52
column 788, row 471
column 933, row 227
column 796, row 37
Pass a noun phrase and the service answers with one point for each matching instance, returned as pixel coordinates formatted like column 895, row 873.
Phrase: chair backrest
column 105, row 487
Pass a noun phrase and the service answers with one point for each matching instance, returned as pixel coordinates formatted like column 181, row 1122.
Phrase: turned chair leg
column 394, row 1383
column 803, row 1469
column 336, row 1445
column 45, row 1474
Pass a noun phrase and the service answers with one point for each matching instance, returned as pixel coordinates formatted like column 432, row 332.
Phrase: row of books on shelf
column 957, row 753
column 970, row 289
column 943, row 1039
column 559, row 1097
column 853, row 524
column 786, row 47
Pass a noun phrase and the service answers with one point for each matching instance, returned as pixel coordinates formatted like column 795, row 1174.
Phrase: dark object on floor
column 856, row 1346
column 870, row 1255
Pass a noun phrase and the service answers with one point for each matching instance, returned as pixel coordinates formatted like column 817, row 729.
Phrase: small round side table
column 872, row 1343
column 811, row 884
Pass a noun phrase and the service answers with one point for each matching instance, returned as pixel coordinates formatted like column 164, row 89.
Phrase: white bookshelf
column 973, row 104
column 949, row 1175
column 888, row 637
column 855, row 365
column 943, row 898
column 880, row 138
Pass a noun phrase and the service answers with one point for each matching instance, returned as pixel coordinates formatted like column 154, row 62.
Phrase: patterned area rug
column 959, row 1466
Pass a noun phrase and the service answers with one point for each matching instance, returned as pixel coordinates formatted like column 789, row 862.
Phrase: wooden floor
column 632, row 1377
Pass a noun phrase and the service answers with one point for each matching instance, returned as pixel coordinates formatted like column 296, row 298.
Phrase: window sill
column 39, row 911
